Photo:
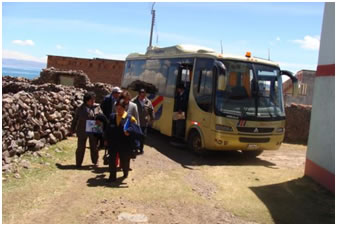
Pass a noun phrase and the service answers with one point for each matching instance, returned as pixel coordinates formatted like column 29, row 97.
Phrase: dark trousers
column 142, row 141
column 81, row 143
column 124, row 157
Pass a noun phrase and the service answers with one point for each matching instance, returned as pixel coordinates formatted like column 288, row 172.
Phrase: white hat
column 116, row 89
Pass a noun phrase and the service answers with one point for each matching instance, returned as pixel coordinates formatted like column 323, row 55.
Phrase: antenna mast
column 153, row 12
column 221, row 46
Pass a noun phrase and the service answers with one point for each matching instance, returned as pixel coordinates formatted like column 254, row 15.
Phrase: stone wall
column 297, row 123
column 98, row 70
column 80, row 80
column 34, row 115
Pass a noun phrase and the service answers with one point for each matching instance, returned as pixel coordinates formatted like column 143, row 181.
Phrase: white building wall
column 320, row 163
column 321, row 143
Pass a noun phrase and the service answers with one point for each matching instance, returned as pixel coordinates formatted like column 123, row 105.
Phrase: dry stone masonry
column 36, row 114
column 297, row 123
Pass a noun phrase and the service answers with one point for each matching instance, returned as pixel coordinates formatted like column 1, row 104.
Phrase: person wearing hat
column 108, row 103
column 145, row 112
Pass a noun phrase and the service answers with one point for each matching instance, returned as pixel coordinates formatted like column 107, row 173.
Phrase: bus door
column 179, row 120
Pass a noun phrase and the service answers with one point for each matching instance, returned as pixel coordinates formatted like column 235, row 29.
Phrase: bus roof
column 192, row 51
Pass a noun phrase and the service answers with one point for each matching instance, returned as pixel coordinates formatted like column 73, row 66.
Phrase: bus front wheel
column 195, row 143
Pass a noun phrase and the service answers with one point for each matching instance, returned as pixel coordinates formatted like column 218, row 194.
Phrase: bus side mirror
column 294, row 81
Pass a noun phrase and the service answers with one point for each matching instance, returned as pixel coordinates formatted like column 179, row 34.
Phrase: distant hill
column 25, row 64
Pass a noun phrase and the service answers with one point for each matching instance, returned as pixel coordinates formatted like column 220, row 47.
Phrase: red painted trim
column 157, row 101
column 325, row 70
column 319, row 174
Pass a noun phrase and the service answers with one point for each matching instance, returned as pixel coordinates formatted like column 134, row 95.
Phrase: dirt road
column 167, row 185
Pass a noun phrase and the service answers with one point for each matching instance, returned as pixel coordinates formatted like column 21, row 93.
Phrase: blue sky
column 291, row 31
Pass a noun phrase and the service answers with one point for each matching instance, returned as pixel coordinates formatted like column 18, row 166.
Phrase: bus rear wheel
column 195, row 143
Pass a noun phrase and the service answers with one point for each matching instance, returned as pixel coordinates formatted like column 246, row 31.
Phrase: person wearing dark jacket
column 146, row 113
column 119, row 139
column 83, row 113
column 108, row 103
column 180, row 110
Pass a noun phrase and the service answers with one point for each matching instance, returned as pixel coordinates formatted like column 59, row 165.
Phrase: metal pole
column 153, row 12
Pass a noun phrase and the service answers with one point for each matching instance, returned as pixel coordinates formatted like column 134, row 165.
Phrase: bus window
column 203, row 83
column 133, row 70
column 185, row 75
column 162, row 80
column 171, row 81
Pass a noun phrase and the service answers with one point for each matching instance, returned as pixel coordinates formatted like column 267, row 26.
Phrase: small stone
column 17, row 176
column 6, row 167
column 52, row 139
column 58, row 150
column 25, row 164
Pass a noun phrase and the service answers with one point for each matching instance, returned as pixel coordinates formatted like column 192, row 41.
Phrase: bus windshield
column 249, row 90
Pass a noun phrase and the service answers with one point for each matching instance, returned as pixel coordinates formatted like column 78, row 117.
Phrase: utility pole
column 153, row 12
column 221, row 46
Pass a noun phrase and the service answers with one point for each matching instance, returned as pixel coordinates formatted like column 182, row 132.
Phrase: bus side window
column 164, row 70
column 128, row 76
column 204, row 89
column 171, row 81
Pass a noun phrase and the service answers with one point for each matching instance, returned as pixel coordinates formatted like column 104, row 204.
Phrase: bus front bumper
column 222, row 142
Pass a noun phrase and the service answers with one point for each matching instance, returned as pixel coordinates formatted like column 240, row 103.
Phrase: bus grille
column 254, row 140
column 255, row 130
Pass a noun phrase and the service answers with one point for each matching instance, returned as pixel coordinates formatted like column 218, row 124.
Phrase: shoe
column 112, row 179
column 125, row 176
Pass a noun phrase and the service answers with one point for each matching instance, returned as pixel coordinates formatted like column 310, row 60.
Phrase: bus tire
column 195, row 143
column 252, row 154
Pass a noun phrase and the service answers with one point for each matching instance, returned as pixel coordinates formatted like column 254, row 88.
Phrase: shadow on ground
column 186, row 158
column 73, row 167
column 100, row 180
column 300, row 201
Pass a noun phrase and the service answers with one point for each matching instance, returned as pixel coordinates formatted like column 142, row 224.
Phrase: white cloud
column 96, row 52
column 23, row 42
column 278, row 39
column 309, row 42
column 59, row 46
column 21, row 56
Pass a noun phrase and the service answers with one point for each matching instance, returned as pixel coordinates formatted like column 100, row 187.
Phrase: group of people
column 124, row 122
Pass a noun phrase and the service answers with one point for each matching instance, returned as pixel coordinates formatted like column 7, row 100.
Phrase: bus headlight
column 223, row 128
column 280, row 130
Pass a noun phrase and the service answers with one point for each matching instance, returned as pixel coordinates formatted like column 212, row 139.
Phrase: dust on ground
column 169, row 185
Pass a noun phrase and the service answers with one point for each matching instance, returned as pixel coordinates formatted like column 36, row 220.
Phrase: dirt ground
column 167, row 185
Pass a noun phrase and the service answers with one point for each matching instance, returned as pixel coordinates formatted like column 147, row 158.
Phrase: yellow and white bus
column 234, row 103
